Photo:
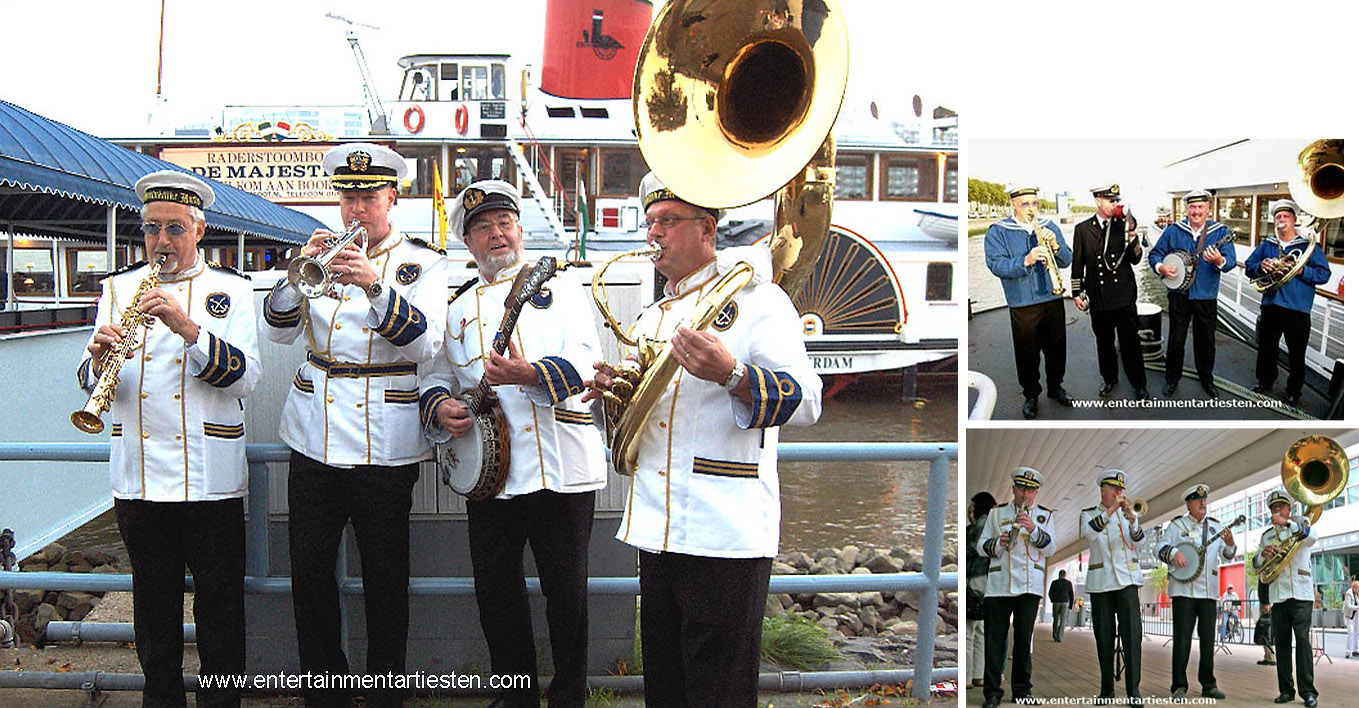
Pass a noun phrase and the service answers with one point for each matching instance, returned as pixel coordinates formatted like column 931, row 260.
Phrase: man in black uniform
column 1105, row 249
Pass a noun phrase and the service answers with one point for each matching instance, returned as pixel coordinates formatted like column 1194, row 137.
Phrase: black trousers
column 162, row 538
column 1186, row 612
column 1292, row 619
column 1203, row 315
column 701, row 624
column 999, row 610
column 1039, row 329
column 1295, row 328
column 557, row 527
column 1105, row 608
column 377, row 500
column 1123, row 322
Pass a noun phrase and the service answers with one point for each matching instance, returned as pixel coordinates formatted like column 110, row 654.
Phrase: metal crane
column 377, row 114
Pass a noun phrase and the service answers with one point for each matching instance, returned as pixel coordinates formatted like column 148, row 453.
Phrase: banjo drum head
column 460, row 461
column 1191, row 568
column 1184, row 269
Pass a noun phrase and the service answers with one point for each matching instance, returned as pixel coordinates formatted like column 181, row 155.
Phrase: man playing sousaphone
column 556, row 455
column 1114, row 576
column 703, row 509
column 1291, row 595
column 1197, row 235
column 1193, row 600
column 1286, row 310
column 1017, row 538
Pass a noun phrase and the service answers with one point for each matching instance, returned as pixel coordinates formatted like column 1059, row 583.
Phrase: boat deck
column 991, row 351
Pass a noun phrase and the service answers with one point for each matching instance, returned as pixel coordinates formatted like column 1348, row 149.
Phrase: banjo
column 476, row 464
column 1185, row 264
column 1196, row 556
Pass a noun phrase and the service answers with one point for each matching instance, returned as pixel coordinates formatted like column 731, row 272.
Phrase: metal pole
column 933, row 559
column 111, row 237
column 257, row 532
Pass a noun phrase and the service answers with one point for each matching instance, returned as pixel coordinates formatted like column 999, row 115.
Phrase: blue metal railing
column 926, row 583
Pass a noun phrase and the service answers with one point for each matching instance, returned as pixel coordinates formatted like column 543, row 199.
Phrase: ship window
column 448, row 72
column 561, row 112
column 420, row 163
column 621, row 170
column 594, row 112
column 1234, row 212
column 951, row 181
column 1264, row 226
column 853, row 177
column 1334, row 239
column 939, row 282
column 497, row 82
column 477, row 84
column 910, row 178
column 84, row 269
column 33, row 274
column 475, row 164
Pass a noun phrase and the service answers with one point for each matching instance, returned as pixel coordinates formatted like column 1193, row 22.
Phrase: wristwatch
column 374, row 289
column 734, row 378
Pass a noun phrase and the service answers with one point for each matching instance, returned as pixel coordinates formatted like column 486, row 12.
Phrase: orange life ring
column 419, row 122
column 460, row 119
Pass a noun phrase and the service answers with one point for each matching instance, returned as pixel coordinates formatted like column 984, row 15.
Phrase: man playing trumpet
column 1026, row 266
column 1017, row 538
column 1193, row 602
column 1114, row 535
column 1286, row 311
column 1291, row 596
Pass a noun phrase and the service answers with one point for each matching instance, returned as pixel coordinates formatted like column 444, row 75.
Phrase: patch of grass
column 796, row 642
column 601, row 698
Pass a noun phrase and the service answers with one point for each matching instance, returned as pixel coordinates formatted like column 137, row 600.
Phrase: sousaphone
column 734, row 100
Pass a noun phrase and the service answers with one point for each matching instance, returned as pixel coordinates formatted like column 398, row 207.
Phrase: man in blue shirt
column 1037, row 313
column 1197, row 235
column 1286, row 310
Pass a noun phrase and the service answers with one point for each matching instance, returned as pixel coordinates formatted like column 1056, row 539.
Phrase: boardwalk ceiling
column 59, row 182
column 1160, row 464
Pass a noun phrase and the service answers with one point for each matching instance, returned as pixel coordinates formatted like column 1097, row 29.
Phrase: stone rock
column 80, row 568
column 798, row 560
column 804, row 598
column 904, row 628
column 59, row 567
column 828, row 565
column 850, row 622
column 786, row 600
column 831, row 599
column 870, row 618
column 74, row 558
column 105, row 569
column 781, row 568
column 829, row 623
column 846, row 558
column 913, row 560
column 870, row 599
column 78, row 613
column 46, row 613
column 884, row 563
column 863, row 556
column 950, row 568
column 774, row 608
column 825, row 553
column 52, row 553
column 26, row 600
column 98, row 558
column 861, row 571
column 33, row 565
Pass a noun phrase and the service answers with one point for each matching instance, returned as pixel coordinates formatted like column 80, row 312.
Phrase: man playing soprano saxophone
column 177, row 453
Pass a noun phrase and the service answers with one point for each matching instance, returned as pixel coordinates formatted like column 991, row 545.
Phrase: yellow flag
column 439, row 207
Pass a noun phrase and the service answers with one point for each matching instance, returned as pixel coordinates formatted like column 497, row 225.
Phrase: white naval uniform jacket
column 707, row 479
column 554, row 443
column 1114, row 541
column 1183, row 529
column 1295, row 581
column 177, row 421
column 1023, row 568
column 355, row 399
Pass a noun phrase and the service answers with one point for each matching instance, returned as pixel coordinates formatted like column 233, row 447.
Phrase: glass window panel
column 951, row 181
column 498, row 81
column 420, row 171
column 621, row 171
column 1235, row 213
column 1334, row 237
column 910, row 178
column 938, row 282
column 85, row 269
column 853, row 180
column 476, row 83
column 33, row 273
column 1264, row 226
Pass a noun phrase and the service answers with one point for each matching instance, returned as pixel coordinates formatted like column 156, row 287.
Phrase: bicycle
column 1234, row 633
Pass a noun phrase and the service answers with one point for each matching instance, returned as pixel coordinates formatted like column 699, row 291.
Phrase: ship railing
column 927, row 584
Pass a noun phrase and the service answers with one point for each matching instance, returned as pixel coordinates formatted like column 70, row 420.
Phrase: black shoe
column 1169, row 389
column 1283, row 698
column 1030, row 407
column 1106, row 389
column 1310, row 702
column 1291, row 399
column 1060, row 395
column 1262, row 662
column 1262, row 389
column 991, row 703
column 1142, row 394
column 1214, row 693
column 1271, row 663
column 1209, row 389
column 1177, row 695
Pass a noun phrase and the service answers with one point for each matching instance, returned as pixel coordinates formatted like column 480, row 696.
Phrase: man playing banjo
column 1192, row 584
column 556, row 456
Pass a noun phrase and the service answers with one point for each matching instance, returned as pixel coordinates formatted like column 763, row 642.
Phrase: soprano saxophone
column 133, row 320
column 1048, row 241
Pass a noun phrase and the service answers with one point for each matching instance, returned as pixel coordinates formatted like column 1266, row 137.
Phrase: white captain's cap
column 1113, row 477
column 1017, row 191
column 1026, row 477
column 652, row 190
column 363, row 166
column 1197, row 195
column 1198, row 491
column 175, row 187
column 480, row 197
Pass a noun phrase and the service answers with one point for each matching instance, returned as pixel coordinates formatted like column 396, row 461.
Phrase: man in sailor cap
column 1194, row 602
column 352, row 416
column 1105, row 248
column 704, row 505
column 1286, row 311
column 1291, row 595
column 1201, row 237
column 1017, row 538
column 177, row 453
column 556, row 454
column 1114, row 576
column 1037, row 315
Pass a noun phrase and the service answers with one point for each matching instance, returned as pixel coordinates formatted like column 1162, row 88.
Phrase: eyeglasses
column 486, row 226
column 151, row 228
column 665, row 223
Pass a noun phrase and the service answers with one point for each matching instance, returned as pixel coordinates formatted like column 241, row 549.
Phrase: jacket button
column 176, row 396
column 365, row 330
column 146, row 395
column 337, row 327
column 178, row 360
column 528, row 428
column 358, row 405
column 662, row 424
column 661, row 473
column 145, row 435
column 179, row 437
column 330, row 399
column 146, row 358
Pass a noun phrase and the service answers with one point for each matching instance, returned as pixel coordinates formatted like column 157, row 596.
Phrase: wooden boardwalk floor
column 1071, row 669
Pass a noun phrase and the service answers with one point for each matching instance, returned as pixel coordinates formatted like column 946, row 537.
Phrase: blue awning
column 58, row 181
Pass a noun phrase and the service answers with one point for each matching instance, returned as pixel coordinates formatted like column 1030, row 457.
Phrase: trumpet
column 88, row 418
column 312, row 276
column 1015, row 531
column 1048, row 241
